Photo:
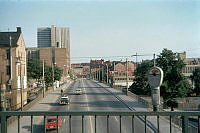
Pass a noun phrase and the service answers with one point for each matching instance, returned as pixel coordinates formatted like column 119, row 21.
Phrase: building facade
column 190, row 64
column 13, row 74
column 51, row 56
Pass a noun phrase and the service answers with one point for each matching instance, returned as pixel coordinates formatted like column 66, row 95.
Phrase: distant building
column 13, row 74
column 191, row 64
column 117, row 71
column 81, row 69
column 56, row 56
column 123, row 74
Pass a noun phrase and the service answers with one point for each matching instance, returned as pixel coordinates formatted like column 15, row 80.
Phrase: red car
column 52, row 122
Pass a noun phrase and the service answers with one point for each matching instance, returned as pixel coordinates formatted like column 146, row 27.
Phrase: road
column 93, row 98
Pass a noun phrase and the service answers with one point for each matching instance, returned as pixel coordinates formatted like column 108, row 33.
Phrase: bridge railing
column 184, row 115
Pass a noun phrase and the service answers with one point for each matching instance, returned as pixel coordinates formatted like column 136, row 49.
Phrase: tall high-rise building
column 57, row 37
column 44, row 37
column 53, row 46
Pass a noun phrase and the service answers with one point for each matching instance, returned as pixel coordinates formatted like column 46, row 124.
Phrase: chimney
column 19, row 30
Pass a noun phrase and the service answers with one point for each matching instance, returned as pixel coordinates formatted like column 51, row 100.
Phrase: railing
column 107, row 114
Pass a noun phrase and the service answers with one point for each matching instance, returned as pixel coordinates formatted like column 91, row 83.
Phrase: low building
column 13, row 74
column 191, row 64
column 122, row 81
column 123, row 74
column 81, row 69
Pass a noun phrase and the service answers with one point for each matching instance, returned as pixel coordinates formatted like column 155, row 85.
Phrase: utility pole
column 53, row 75
column 114, row 76
column 99, row 73
column 103, row 73
column 43, row 78
column 107, row 73
column 126, row 76
column 154, row 60
column 95, row 73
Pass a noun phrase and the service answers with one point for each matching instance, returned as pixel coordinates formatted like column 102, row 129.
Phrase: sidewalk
column 44, row 104
column 133, row 103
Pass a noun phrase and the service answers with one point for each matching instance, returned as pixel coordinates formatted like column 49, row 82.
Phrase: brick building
column 13, row 74
column 57, row 56
column 81, row 69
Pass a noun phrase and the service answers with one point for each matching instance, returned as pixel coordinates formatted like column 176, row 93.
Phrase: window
column 8, row 70
column 8, row 54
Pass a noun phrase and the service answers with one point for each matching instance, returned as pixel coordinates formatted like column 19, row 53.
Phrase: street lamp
column 126, row 76
column 107, row 73
column 53, row 74
column 65, row 73
column 43, row 80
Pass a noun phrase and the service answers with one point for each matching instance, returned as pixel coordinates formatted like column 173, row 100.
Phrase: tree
column 196, row 79
column 49, row 75
column 140, row 84
column 34, row 69
column 174, row 83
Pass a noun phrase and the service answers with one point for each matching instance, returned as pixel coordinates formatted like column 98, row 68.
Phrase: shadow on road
column 36, row 128
column 51, row 104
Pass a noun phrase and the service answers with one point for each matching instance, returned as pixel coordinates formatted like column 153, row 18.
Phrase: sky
column 105, row 28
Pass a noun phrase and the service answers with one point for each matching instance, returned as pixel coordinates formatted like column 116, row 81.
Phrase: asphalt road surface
column 95, row 97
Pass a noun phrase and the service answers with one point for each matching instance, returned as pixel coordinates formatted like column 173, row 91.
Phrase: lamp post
column 126, row 76
column 102, row 73
column 53, row 74
column 107, row 73
column 99, row 74
column 43, row 80
column 64, row 75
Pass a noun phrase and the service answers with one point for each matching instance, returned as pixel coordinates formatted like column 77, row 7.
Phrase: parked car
column 52, row 122
column 78, row 91
column 64, row 100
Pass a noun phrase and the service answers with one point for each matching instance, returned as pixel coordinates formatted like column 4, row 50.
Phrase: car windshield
column 51, row 120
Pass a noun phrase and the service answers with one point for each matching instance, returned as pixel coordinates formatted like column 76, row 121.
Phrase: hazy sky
column 110, row 28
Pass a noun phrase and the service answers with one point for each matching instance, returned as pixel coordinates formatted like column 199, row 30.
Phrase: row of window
column 189, row 69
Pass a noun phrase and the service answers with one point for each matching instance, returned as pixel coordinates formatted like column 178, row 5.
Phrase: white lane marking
column 91, row 125
column 116, row 119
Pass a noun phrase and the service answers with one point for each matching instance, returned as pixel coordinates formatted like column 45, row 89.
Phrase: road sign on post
column 155, row 78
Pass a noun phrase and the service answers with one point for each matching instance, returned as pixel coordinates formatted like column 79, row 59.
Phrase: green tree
column 140, row 84
column 174, row 83
column 34, row 69
column 49, row 75
column 57, row 73
column 196, row 79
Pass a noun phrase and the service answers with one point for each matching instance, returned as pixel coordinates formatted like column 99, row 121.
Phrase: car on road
column 53, row 122
column 78, row 91
column 64, row 100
